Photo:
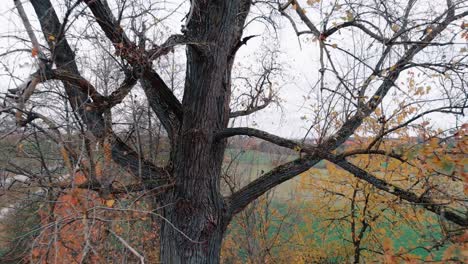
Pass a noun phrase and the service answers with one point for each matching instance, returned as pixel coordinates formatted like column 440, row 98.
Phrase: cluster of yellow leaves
column 464, row 27
column 430, row 161
column 110, row 202
column 395, row 28
column 264, row 234
column 349, row 15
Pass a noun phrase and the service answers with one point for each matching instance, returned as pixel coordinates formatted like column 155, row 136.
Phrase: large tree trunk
column 196, row 213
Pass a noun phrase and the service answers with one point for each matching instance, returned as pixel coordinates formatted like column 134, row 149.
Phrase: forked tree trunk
column 196, row 215
column 195, row 211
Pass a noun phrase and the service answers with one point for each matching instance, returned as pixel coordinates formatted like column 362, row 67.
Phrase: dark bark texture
column 196, row 206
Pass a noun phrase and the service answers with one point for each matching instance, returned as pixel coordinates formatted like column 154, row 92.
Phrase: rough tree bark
column 197, row 207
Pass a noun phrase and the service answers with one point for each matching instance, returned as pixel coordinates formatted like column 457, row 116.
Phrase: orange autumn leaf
column 35, row 252
column 34, row 52
column 107, row 147
column 463, row 238
column 98, row 168
column 449, row 252
column 110, row 203
column 80, row 178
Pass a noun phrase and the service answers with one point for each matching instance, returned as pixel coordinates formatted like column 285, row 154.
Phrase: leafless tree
column 366, row 49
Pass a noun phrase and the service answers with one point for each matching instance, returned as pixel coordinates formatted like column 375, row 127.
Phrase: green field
column 405, row 236
column 245, row 166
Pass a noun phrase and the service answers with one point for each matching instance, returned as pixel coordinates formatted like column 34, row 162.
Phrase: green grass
column 403, row 235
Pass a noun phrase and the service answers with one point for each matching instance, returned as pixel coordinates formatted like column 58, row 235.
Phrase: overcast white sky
column 286, row 124
column 301, row 69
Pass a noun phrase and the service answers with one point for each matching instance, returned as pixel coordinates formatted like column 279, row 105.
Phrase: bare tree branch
column 287, row 171
column 127, row 245
column 161, row 98
column 380, row 184
column 65, row 60
column 240, row 199
column 283, row 142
